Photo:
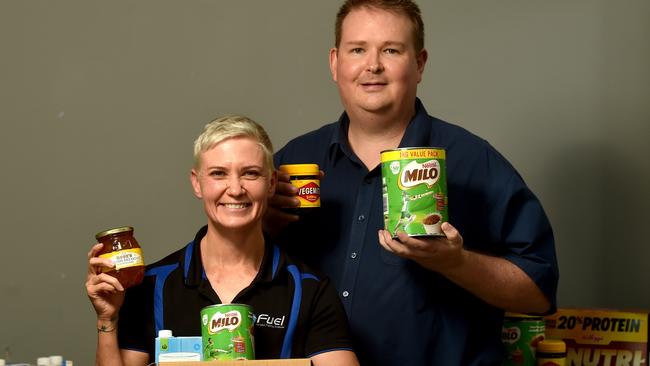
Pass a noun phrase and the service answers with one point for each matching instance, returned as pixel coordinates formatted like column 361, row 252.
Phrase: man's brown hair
column 406, row 7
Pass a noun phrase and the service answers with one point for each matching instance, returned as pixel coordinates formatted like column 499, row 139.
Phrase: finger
column 95, row 249
column 275, row 215
column 394, row 246
column 99, row 263
column 282, row 201
column 105, row 278
column 415, row 243
column 283, row 177
column 286, row 189
column 420, row 248
column 321, row 174
column 451, row 233
column 382, row 240
column 100, row 288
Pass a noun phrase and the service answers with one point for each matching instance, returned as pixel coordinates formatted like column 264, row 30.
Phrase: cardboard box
column 287, row 362
column 598, row 337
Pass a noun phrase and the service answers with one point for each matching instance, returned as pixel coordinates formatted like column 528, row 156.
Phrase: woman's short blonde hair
column 228, row 127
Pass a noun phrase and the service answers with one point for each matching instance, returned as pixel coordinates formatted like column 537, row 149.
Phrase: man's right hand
column 275, row 218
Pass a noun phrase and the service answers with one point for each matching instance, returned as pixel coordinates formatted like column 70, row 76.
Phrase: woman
column 229, row 261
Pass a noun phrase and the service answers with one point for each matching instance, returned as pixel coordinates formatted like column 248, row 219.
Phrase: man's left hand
column 440, row 254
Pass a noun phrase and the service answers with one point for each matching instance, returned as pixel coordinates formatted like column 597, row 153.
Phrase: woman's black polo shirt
column 298, row 313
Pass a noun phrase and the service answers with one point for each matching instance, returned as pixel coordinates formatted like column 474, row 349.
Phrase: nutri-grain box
column 598, row 337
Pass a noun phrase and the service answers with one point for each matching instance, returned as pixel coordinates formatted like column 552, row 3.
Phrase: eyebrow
column 384, row 44
column 226, row 168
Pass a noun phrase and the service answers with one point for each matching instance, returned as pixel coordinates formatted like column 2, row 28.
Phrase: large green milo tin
column 227, row 332
column 414, row 184
column 520, row 336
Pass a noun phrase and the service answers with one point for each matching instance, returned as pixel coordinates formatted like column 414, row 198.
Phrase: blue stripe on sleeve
column 309, row 276
column 295, row 309
column 189, row 249
column 276, row 260
column 161, row 274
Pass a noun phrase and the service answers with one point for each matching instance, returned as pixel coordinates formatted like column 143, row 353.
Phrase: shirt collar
column 273, row 260
column 417, row 132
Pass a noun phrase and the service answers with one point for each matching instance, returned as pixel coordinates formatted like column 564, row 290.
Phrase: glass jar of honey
column 122, row 249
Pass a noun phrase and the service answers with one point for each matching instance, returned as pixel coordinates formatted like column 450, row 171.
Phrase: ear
column 334, row 54
column 196, row 185
column 273, row 182
column 421, row 60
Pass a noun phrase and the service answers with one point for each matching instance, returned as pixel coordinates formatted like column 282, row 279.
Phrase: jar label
column 124, row 259
column 227, row 332
column 414, row 190
column 308, row 192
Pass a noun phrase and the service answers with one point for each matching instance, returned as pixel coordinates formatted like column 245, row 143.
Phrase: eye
column 356, row 50
column 391, row 51
column 217, row 174
column 251, row 174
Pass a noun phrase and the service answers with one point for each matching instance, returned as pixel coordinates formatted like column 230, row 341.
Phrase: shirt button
column 353, row 255
column 361, row 218
column 346, row 294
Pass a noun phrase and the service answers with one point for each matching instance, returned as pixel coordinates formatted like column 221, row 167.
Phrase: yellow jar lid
column 300, row 169
column 521, row 315
column 551, row 346
column 116, row 230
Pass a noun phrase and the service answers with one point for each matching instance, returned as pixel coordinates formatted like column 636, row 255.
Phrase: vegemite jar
column 122, row 249
column 551, row 352
column 305, row 177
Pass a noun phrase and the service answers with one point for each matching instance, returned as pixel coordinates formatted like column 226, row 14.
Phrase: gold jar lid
column 300, row 169
column 551, row 346
column 116, row 230
column 522, row 316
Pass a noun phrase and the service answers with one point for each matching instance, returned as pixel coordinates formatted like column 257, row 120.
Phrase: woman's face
column 234, row 183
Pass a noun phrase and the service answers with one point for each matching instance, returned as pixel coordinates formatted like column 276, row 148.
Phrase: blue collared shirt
column 399, row 312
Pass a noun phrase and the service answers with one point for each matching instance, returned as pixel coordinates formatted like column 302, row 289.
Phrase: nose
column 235, row 188
column 374, row 63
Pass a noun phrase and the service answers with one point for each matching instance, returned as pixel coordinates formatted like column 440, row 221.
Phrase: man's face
column 376, row 66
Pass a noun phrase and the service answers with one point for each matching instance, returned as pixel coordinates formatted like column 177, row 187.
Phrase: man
column 414, row 301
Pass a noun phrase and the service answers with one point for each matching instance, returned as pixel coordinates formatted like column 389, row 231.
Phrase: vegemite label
column 308, row 192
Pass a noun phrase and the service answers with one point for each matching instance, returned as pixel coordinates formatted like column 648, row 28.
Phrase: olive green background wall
column 100, row 102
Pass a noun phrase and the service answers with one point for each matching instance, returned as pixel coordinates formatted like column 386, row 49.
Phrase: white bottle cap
column 68, row 363
column 164, row 333
column 56, row 360
column 43, row 361
column 2, row 362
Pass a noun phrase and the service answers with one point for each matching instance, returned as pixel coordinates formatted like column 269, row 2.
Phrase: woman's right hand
column 104, row 291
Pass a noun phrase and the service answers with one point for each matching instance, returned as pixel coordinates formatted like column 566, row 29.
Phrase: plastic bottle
column 56, row 360
column 165, row 343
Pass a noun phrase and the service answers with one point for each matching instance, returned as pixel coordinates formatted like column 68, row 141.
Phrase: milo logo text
column 415, row 173
column 220, row 321
column 510, row 335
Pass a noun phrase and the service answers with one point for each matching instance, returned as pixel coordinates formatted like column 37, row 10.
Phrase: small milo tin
column 414, row 184
column 227, row 332
column 520, row 336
